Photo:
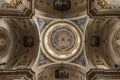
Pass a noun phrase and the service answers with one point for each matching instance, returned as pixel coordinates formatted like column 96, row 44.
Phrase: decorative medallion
column 62, row 41
column 103, row 8
column 17, row 8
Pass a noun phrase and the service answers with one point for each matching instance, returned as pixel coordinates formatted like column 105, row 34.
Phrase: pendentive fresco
column 59, row 39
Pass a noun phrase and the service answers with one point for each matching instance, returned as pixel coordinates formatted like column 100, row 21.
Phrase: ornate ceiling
column 58, row 39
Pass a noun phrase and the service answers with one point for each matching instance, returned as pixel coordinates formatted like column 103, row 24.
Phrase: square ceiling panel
column 17, row 8
column 103, row 8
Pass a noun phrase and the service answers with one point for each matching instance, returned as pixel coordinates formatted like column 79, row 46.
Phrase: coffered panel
column 16, row 8
column 103, row 8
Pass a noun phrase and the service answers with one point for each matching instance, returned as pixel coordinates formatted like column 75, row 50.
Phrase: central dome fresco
column 61, row 41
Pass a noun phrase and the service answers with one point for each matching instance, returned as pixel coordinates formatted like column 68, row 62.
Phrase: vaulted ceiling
column 54, row 37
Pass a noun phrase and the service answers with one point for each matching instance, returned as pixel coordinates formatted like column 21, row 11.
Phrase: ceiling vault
column 59, row 39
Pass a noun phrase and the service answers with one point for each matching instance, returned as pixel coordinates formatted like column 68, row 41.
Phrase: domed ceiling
column 63, row 40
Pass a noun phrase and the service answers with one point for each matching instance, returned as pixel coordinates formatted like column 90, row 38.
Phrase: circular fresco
column 61, row 41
